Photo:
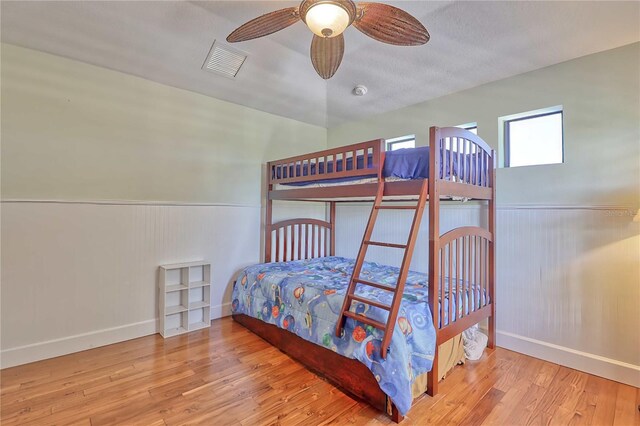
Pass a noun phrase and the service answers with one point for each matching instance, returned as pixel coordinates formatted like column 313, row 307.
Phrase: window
column 403, row 142
column 472, row 127
column 533, row 138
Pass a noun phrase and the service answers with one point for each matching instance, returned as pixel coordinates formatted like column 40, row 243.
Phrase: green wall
column 73, row 131
column 600, row 94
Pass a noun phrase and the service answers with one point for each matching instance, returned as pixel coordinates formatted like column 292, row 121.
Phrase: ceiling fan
column 328, row 19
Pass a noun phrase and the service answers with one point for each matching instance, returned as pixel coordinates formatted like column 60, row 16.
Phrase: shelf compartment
column 199, row 317
column 198, row 284
column 174, row 324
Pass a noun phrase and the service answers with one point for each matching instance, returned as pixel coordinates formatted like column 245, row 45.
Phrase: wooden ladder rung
column 381, row 244
column 395, row 207
column 376, row 285
column 370, row 302
column 365, row 320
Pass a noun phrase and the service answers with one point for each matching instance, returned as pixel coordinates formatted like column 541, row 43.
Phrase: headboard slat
column 296, row 235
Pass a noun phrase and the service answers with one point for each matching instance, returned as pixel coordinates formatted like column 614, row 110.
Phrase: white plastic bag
column 474, row 342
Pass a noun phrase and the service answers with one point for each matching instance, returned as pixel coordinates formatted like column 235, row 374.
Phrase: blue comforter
column 305, row 297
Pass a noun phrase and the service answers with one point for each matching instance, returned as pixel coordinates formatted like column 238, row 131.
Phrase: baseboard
column 81, row 342
column 593, row 364
column 222, row 310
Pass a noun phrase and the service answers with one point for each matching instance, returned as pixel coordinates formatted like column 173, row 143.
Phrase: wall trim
column 81, row 342
column 127, row 203
column 560, row 207
column 447, row 204
column 444, row 204
column 590, row 363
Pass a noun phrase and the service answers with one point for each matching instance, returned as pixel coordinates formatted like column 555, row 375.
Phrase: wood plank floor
column 227, row 375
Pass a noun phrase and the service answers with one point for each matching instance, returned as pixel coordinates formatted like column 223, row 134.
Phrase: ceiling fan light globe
column 327, row 19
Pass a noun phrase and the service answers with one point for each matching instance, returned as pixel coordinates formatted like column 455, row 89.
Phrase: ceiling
column 471, row 43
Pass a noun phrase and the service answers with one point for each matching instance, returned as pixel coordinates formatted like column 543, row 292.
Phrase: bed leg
column 491, row 344
column 432, row 376
column 395, row 414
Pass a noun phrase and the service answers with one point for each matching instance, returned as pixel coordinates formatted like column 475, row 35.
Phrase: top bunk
column 461, row 165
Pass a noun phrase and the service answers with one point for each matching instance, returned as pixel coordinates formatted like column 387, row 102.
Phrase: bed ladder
column 398, row 289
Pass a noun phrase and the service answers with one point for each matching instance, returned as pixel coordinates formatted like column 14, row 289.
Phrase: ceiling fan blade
column 326, row 55
column 389, row 24
column 265, row 25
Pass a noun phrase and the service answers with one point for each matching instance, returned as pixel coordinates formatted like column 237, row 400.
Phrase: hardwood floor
column 227, row 375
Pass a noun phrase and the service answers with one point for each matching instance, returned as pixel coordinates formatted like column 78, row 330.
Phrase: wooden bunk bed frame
column 460, row 165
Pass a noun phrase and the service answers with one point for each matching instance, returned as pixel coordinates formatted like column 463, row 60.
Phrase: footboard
column 463, row 285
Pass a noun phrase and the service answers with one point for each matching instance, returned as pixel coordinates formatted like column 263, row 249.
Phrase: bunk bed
column 361, row 316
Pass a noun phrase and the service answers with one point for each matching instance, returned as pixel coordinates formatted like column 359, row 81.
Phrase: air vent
column 224, row 60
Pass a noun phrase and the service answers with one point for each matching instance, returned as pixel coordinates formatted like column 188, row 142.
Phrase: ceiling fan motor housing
column 347, row 5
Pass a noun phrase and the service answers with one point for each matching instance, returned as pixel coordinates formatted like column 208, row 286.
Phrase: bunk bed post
column 332, row 221
column 492, row 252
column 379, row 156
column 434, row 248
column 268, row 216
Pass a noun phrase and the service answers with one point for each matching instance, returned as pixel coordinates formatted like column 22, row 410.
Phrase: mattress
column 401, row 164
column 305, row 298
column 323, row 183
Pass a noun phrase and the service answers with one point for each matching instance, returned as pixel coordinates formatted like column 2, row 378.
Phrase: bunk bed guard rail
column 358, row 160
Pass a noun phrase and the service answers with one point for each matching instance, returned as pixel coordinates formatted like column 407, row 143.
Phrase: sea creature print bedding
column 305, row 298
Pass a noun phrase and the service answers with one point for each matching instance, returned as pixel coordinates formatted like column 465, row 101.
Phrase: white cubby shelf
column 185, row 297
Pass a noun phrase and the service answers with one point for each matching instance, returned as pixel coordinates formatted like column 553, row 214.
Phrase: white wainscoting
column 568, row 287
column 77, row 275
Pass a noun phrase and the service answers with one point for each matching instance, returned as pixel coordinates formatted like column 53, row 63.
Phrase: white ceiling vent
column 224, row 60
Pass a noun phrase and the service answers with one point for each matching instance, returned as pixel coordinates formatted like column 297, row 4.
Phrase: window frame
column 528, row 116
column 469, row 127
column 390, row 142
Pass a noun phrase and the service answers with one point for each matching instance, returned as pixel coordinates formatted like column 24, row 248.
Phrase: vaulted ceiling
column 471, row 43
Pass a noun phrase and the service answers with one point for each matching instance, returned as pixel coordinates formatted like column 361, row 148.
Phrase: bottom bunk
column 295, row 306
column 350, row 375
